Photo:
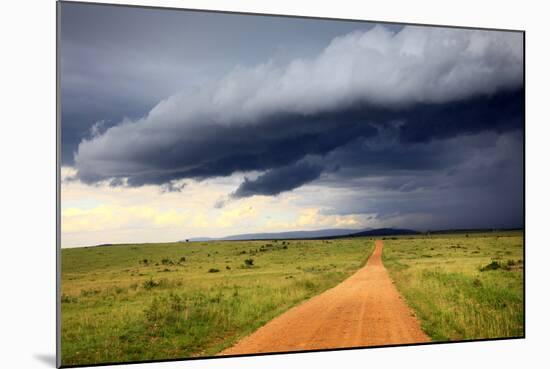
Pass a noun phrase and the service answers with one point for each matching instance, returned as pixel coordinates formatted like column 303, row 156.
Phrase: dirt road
column 363, row 310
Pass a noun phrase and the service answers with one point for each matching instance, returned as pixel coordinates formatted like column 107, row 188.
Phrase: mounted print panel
column 243, row 184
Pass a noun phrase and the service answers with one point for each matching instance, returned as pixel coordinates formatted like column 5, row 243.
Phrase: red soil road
column 363, row 310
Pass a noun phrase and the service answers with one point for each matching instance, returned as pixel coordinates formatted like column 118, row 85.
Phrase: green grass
column 462, row 286
column 161, row 301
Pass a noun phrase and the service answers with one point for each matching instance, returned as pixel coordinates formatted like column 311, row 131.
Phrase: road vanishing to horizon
column 369, row 177
column 364, row 310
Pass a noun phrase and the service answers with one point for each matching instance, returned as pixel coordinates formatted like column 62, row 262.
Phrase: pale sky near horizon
column 179, row 124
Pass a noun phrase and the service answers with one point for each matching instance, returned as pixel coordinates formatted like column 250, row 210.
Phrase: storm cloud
column 278, row 180
column 458, row 182
column 230, row 123
column 119, row 62
column 435, row 83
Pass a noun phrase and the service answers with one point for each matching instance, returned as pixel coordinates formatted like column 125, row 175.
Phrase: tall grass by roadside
column 161, row 301
column 461, row 287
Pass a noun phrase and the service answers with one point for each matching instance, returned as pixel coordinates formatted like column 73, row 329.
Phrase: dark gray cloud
column 212, row 150
column 278, row 180
column 119, row 62
column 444, row 82
column 410, row 123
column 172, row 187
column 474, row 181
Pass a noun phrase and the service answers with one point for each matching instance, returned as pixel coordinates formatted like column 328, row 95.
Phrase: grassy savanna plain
column 461, row 286
column 176, row 300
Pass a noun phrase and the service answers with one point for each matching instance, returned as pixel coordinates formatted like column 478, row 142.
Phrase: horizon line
column 224, row 238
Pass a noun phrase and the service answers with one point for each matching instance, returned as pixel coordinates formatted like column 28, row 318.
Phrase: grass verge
column 461, row 286
column 163, row 301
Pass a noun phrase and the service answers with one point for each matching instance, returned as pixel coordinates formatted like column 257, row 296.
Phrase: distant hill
column 377, row 232
column 318, row 234
column 321, row 233
column 475, row 230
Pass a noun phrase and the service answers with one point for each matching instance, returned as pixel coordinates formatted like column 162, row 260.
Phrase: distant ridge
column 405, row 232
column 326, row 234
column 316, row 235
column 475, row 230
column 321, row 233
column 377, row 232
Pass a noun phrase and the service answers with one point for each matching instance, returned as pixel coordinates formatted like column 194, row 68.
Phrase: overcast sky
column 178, row 124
